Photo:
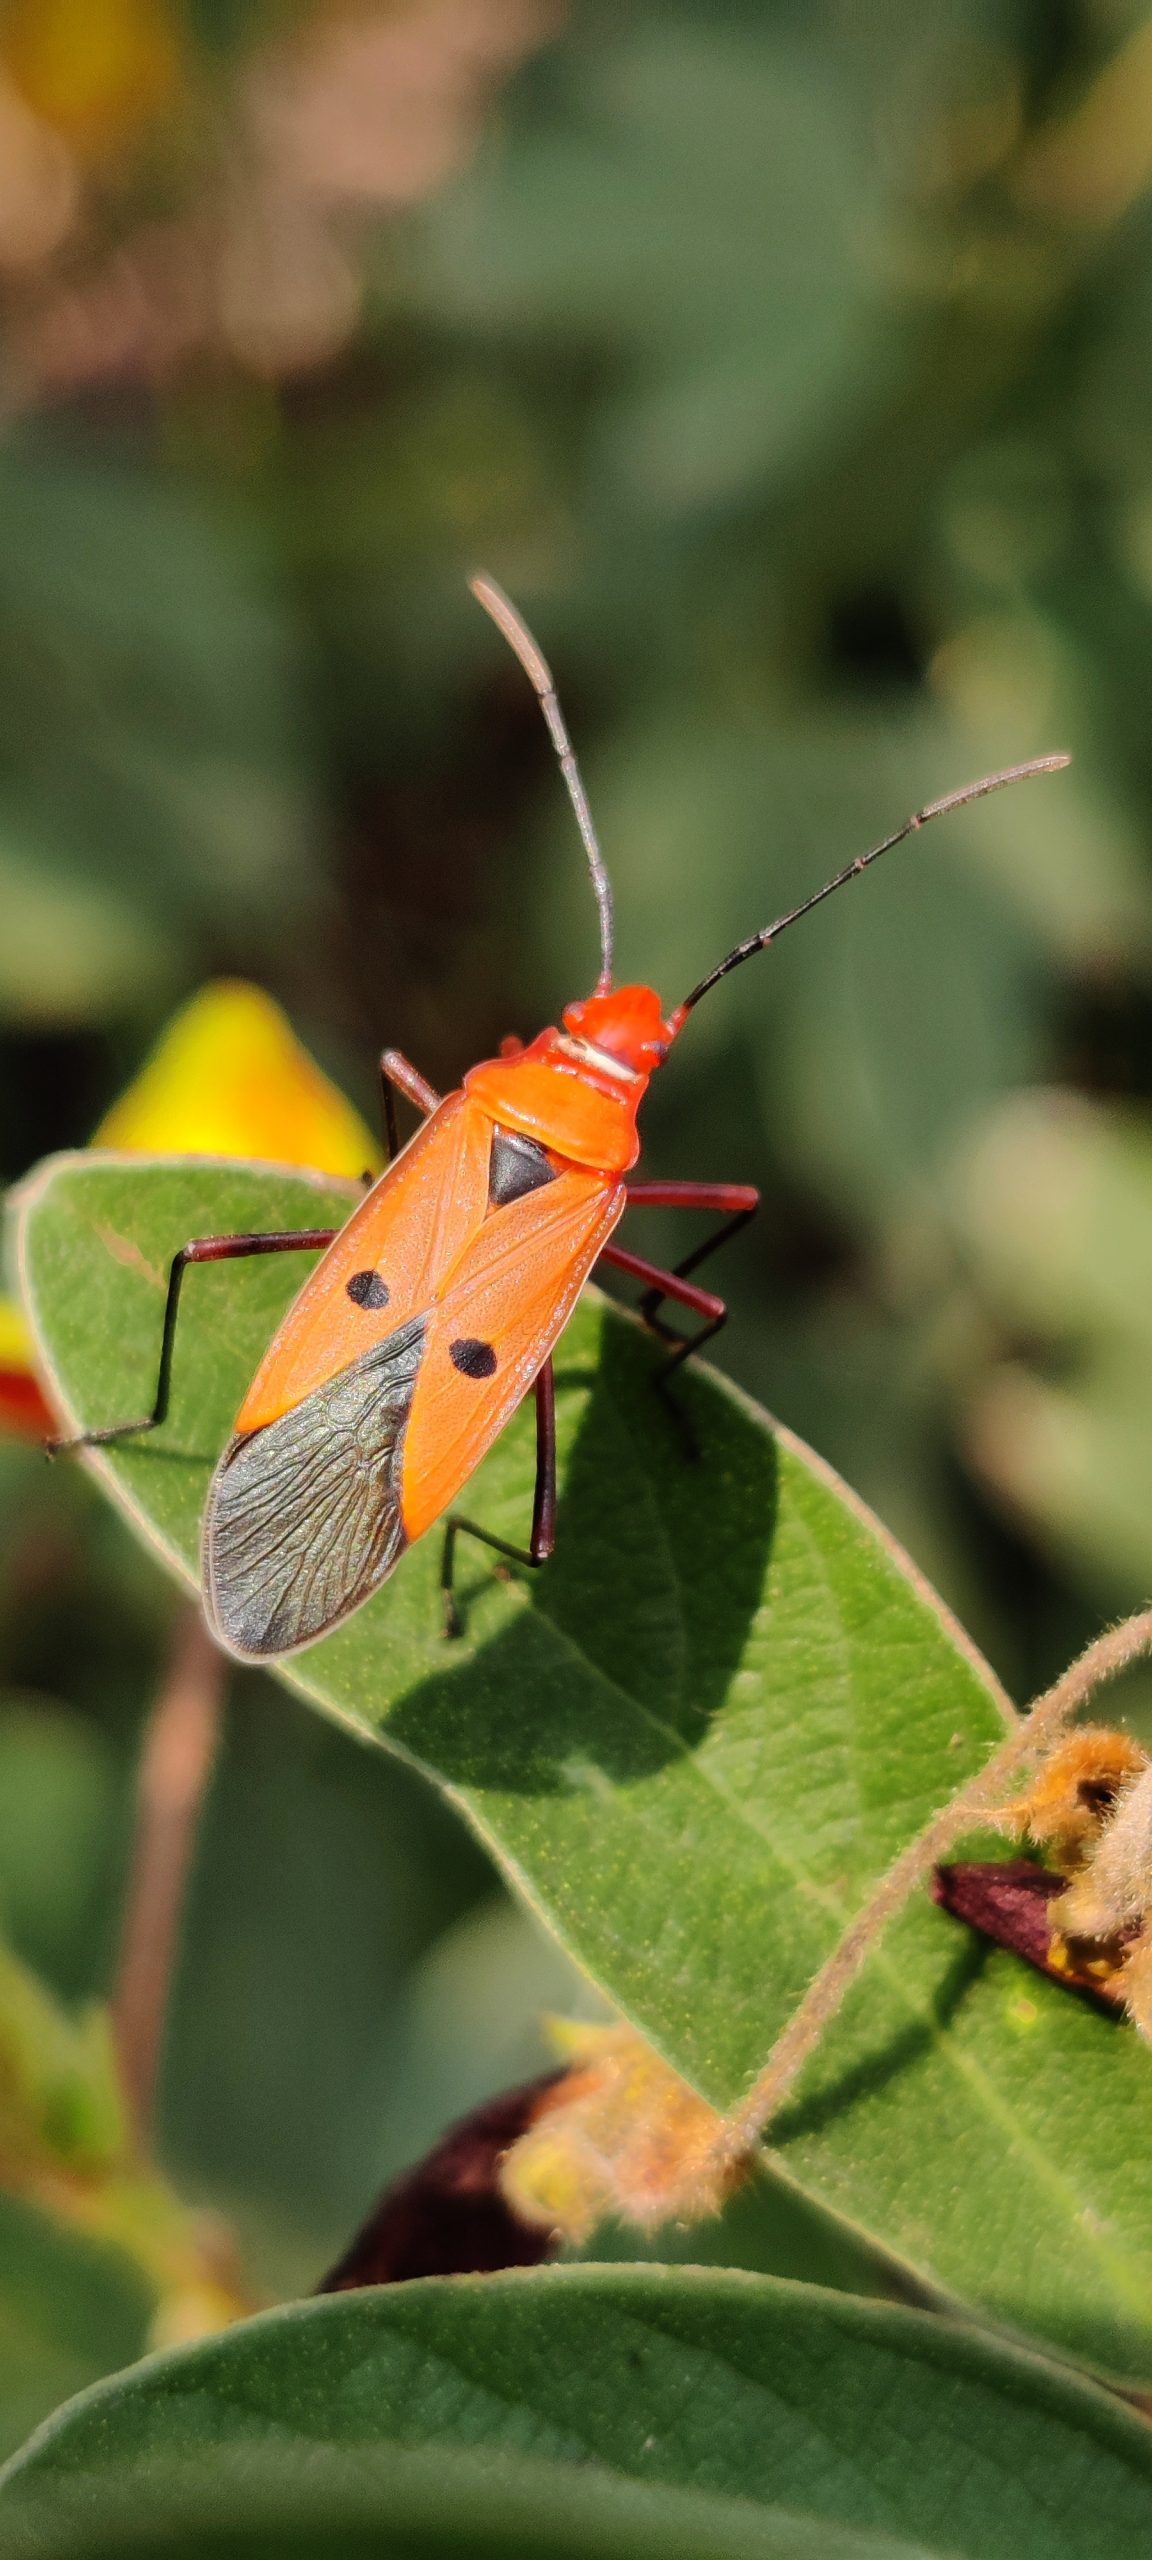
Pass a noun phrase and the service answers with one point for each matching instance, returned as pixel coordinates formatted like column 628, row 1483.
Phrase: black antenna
column 537, row 669
column 935, row 809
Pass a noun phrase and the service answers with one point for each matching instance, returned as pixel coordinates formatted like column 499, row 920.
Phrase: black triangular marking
column 516, row 1167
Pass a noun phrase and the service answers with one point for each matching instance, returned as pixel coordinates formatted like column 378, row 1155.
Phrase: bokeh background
column 792, row 365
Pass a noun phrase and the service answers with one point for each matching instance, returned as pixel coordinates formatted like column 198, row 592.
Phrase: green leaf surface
column 423, row 2507
column 367, row 2505
column 720, row 2384
column 694, row 1741
column 71, row 2310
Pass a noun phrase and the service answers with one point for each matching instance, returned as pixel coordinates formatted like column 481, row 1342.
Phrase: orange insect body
column 430, row 1243
column 437, row 1307
column 578, row 1091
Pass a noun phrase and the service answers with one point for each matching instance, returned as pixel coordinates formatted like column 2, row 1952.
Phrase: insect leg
column 738, row 1198
column 396, row 1071
column 693, row 1195
column 543, row 1536
column 702, row 1302
column 669, row 1284
column 201, row 1249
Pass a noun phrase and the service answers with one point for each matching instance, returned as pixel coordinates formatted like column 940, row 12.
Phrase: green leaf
column 364, row 2505
column 685, row 1738
column 693, row 1742
column 730, row 2385
column 71, row 2309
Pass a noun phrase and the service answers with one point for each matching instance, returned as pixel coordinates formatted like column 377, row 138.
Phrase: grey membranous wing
column 303, row 1519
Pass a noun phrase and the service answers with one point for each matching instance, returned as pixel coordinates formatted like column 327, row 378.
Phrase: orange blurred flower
column 228, row 1078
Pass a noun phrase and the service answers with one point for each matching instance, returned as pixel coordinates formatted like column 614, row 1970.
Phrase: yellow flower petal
column 15, row 1340
column 25, row 1413
column 229, row 1077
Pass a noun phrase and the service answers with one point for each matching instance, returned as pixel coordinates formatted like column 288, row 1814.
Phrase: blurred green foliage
column 791, row 368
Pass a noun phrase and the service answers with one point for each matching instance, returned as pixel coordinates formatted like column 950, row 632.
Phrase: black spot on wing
column 303, row 1519
column 516, row 1167
column 473, row 1359
column 367, row 1289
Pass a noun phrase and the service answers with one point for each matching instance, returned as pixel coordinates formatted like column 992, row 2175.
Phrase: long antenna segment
column 935, row 809
column 539, row 673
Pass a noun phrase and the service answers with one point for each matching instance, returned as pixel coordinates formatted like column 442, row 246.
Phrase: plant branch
column 1109, row 1655
column 179, row 1749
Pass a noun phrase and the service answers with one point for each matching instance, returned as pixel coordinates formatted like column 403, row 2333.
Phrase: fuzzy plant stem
column 180, row 1743
column 973, row 1805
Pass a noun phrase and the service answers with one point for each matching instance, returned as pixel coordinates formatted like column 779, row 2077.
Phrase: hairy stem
column 179, row 1748
column 974, row 1803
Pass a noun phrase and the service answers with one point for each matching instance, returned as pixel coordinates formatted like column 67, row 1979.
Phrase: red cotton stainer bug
column 437, row 1306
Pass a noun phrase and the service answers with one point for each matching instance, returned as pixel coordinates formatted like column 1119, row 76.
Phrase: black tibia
column 671, row 1284
column 399, row 1076
column 738, row 1198
column 742, row 1203
column 201, row 1249
column 543, row 1534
